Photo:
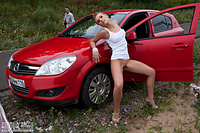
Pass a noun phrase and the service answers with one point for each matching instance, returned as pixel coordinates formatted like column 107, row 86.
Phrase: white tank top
column 118, row 44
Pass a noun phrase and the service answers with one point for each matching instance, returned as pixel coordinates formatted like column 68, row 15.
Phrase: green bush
column 40, row 16
column 29, row 31
column 49, row 27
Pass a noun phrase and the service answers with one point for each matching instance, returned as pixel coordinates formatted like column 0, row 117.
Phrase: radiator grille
column 23, row 69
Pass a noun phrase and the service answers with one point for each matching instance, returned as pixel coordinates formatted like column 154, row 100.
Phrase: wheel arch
column 87, row 78
column 86, row 71
column 87, row 68
column 105, row 65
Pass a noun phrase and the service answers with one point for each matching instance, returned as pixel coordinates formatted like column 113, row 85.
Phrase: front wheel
column 97, row 88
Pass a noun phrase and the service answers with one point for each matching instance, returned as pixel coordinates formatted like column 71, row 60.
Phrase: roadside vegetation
column 28, row 21
column 25, row 22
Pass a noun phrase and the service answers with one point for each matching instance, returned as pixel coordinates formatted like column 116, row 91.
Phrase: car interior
column 142, row 30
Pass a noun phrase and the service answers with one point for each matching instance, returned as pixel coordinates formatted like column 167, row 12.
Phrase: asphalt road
column 4, row 57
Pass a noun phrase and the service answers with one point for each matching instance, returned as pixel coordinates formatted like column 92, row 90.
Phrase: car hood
column 40, row 52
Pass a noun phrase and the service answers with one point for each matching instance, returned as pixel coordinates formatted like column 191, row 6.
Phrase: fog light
column 51, row 93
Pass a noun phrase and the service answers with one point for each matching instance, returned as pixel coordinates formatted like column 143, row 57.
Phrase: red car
column 60, row 70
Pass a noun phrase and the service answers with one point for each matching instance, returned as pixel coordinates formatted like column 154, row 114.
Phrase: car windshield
column 87, row 28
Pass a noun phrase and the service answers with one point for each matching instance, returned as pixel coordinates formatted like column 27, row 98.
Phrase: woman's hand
column 95, row 53
column 96, row 56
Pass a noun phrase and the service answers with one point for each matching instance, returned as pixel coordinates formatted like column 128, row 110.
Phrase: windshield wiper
column 72, row 36
column 61, row 35
column 67, row 35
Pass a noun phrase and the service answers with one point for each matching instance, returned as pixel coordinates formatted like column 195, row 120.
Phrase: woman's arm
column 101, row 34
column 95, row 53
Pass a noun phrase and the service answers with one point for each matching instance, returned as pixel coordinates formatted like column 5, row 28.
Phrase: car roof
column 124, row 11
column 127, row 11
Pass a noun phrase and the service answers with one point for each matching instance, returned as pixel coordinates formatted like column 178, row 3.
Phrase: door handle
column 180, row 45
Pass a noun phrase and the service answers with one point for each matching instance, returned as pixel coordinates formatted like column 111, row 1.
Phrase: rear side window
column 169, row 23
column 162, row 23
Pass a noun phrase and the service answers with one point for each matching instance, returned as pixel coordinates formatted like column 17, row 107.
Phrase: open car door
column 168, row 49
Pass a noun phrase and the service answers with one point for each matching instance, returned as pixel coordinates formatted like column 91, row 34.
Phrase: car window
column 162, row 23
column 175, row 22
column 169, row 22
column 87, row 28
column 134, row 19
column 142, row 31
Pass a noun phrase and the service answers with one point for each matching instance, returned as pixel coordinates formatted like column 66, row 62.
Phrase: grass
column 157, row 128
column 22, row 24
column 179, row 130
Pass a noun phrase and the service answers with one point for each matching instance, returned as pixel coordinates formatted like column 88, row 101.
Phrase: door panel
column 171, row 55
column 167, row 56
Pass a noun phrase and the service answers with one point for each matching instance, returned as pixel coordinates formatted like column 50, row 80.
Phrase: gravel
column 72, row 119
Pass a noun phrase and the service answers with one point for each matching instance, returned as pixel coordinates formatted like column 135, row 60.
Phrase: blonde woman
column 115, row 37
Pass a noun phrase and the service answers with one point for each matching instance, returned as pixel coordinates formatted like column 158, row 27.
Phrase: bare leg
column 131, row 66
column 141, row 68
column 117, row 73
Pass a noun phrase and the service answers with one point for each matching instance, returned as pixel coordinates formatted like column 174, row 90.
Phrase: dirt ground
column 180, row 114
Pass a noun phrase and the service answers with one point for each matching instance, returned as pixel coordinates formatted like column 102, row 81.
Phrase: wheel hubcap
column 99, row 88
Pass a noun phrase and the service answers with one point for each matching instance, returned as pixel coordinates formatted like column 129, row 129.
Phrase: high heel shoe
column 115, row 120
column 151, row 103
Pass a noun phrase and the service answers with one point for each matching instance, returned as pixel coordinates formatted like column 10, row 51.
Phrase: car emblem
column 16, row 67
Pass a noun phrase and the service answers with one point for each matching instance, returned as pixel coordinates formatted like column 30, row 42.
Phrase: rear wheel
column 97, row 88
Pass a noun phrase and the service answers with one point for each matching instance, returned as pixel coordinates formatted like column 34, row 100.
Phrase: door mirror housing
column 132, row 36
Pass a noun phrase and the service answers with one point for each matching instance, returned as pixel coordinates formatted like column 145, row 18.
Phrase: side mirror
column 132, row 36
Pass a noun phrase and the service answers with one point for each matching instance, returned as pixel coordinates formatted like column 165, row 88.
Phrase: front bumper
column 47, row 103
column 36, row 84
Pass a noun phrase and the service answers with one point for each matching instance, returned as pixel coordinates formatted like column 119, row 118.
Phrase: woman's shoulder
column 104, row 31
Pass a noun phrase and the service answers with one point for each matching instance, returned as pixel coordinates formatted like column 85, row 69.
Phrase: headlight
column 56, row 66
column 9, row 62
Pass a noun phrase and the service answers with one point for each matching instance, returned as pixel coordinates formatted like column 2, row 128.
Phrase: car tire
column 97, row 88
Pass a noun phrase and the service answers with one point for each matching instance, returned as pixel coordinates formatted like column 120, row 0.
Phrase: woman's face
column 102, row 19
